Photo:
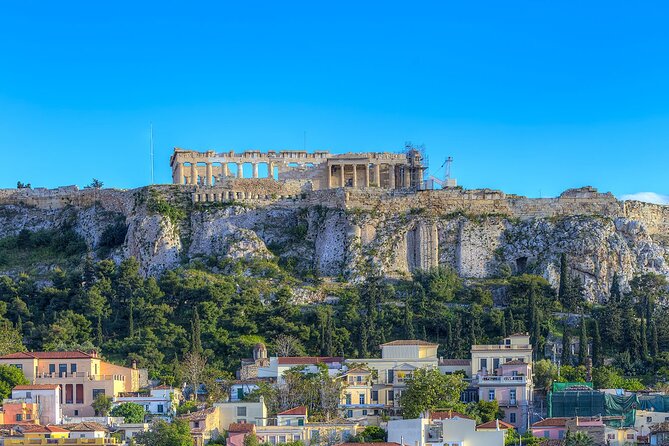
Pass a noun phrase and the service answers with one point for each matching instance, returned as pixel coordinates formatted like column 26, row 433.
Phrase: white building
column 47, row 397
column 281, row 364
column 438, row 429
column 160, row 401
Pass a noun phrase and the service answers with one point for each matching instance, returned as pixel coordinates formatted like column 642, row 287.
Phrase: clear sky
column 531, row 97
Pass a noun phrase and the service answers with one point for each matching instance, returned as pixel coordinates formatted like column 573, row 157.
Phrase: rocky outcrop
column 354, row 234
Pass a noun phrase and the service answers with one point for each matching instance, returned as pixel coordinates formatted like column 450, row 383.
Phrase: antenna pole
column 151, row 151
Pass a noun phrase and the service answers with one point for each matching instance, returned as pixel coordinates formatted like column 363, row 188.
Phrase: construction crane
column 447, row 181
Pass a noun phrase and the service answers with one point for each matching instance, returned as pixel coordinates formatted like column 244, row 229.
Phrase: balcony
column 79, row 375
column 519, row 380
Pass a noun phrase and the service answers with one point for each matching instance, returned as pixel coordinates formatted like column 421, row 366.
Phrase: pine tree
column 596, row 345
column 582, row 342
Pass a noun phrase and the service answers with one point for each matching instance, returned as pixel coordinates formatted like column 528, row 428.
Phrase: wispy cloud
column 649, row 197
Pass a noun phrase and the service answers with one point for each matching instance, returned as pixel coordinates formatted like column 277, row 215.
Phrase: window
column 484, row 364
column 391, row 395
column 491, row 395
column 547, row 434
column 375, row 395
column 495, row 363
column 196, row 424
column 512, row 417
column 296, row 437
column 358, row 378
column 29, row 394
column 240, row 393
column 611, row 436
column 561, row 435
column 76, row 413
column 282, row 438
column 52, row 368
column 391, row 376
column 97, row 392
column 630, row 436
column 300, row 421
column 18, row 366
column 349, row 414
column 19, row 417
column 161, row 409
column 348, row 398
column 241, row 411
column 364, row 412
column 649, row 419
column 62, row 370
column 512, row 396
column 29, row 416
column 361, row 398
column 73, row 368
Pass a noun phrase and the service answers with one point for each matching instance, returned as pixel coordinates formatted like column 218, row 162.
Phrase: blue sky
column 531, row 97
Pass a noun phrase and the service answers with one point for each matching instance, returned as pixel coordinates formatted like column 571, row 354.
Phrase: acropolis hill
column 349, row 216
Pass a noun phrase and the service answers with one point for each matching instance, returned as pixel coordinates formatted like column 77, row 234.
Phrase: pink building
column 237, row 432
column 511, row 386
column 556, row 428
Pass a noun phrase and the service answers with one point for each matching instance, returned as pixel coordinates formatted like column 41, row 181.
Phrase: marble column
column 391, row 171
column 366, row 175
column 377, row 174
column 407, row 176
column 193, row 173
column 226, row 171
column 341, row 175
column 240, row 170
column 270, row 170
column 355, row 175
column 255, row 170
column 329, row 177
column 180, row 173
column 209, row 175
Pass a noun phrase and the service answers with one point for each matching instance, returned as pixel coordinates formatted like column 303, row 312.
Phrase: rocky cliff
column 355, row 233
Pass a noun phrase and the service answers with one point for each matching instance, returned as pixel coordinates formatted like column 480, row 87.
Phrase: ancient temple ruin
column 318, row 170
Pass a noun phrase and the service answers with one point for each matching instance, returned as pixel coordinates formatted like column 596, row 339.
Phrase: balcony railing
column 501, row 347
column 74, row 375
column 492, row 379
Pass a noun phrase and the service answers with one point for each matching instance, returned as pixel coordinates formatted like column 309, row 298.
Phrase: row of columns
column 209, row 172
column 405, row 180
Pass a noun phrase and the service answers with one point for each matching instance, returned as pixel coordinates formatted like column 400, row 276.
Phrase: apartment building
column 81, row 377
column 43, row 399
column 399, row 359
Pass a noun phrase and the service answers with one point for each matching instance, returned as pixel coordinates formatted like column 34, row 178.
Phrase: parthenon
column 320, row 169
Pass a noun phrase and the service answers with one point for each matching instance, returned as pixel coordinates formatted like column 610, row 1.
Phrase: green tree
column 11, row 340
column 563, row 288
column 578, row 438
column 370, row 434
column 251, row 440
column 545, row 372
column 565, row 356
column 102, row 405
column 10, row 377
column 484, row 411
column 597, row 359
column 429, row 389
column 131, row 412
column 70, row 331
column 95, row 184
column 582, row 342
column 162, row 433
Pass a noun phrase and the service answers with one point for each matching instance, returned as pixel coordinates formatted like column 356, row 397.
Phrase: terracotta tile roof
column 241, row 427
column 199, row 415
column 300, row 410
column 493, row 425
column 410, row 342
column 36, row 429
column 299, row 360
column 85, row 426
column 466, row 362
column 78, row 354
column 162, row 387
column 37, row 387
column 448, row 415
column 552, row 422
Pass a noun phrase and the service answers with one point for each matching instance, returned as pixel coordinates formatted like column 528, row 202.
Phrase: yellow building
column 81, row 376
column 399, row 359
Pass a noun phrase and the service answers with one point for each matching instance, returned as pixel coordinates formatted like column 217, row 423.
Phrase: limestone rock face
column 344, row 234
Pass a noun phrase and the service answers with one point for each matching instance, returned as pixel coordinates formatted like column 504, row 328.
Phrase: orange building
column 81, row 376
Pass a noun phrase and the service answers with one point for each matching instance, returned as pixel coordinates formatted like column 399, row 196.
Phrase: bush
column 114, row 235
column 131, row 412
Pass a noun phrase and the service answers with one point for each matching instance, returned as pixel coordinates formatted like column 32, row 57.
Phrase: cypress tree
column 511, row 325
column 131, row 320
column 654, row 348
column 582, row 342
column 449, row 338
column 328, row 335
column 503, row 326
column 596, row 345
column 643, row 337
column 99, row 331
column 564, row 280
column 196, row 332
column 408, row 322
column 565, row 356
column 615, row 295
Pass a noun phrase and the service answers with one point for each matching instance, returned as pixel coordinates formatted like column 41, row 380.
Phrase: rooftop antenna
column 151, row 149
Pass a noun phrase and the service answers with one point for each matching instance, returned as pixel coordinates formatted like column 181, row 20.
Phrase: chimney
column 497, row 423
column 133, row 364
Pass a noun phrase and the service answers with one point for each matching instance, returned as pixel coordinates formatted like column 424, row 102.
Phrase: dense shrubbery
column 29, row 248
column 239, row 303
